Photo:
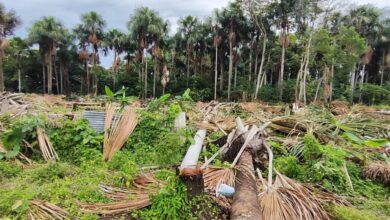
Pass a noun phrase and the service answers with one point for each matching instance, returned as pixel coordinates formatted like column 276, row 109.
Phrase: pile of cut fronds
column 117, row 130
column 215, row 176
column 40, row 210
column 45, row 146
column 378, row 171
column 286, row 199
column 126, row 200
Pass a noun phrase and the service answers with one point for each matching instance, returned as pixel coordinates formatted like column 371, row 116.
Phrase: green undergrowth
column 61, row 183
column 324, row 165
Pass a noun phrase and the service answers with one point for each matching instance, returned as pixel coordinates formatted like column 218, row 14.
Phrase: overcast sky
column 117, row 12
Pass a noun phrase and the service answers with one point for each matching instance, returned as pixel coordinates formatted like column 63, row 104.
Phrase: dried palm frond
column 116, row 133
column 378, row 171
column 215, row 176
column 41, row 210
column 287, row 199
column 126, row 199
column 45, row 146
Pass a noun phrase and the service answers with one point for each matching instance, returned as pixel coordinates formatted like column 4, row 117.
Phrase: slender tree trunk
column 221, row 75
column 188, row 69
column 154, row 76
column 331, row 80
column 281, row 75
column 146, row 78
column 61, row 81
column 235, row 76
column 250, row 67
column 382, row 66
column 260, row 74
column 56, row 75
column 43, row 78
column 216, row 73
column 19, row 79
column 88, row 80
column 353, row 82
column 50, row 75
column 230, row 68
column 1, row 71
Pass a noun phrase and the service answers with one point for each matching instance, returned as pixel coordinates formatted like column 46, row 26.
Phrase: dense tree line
column 287, row 50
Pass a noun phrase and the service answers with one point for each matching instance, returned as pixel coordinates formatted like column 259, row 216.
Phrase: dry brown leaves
column 126, row 200
column 287, row 199
column 378, row 171
column 41, row 210
column 116, row 133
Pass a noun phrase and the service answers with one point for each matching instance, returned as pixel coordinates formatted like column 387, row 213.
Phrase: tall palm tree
column 93, row 26
column 187, row 26
column 64, row 58
column 146, row 26
column 20, row 52
column 8, row 22
column 232, row 18
column 46, row 32
column 114, row 40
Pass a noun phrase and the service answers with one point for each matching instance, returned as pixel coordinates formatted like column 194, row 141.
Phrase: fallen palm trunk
column 126, row 200
column 45, row 146
column 41, row 210
column 245, row 204
column 116, row 133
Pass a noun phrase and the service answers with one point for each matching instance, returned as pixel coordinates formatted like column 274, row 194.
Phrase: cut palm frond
column 378, row 172
column 215, row 176
column 286, row 199
column 117, row 131
column 41, row 210
column 126, row 200
column 45, row 146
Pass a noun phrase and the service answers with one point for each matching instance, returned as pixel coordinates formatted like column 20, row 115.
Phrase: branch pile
column 41, row 210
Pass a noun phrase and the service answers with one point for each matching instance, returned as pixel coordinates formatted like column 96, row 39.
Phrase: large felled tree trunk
column 245, row 203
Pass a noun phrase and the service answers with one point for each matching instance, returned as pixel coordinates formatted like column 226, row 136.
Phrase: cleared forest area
column 272, row 110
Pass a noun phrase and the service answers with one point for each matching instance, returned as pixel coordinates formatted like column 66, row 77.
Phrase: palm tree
column 147, row 27
column 8, row 22
column 20, row 52
column 46, row 32
column 232, row 18
column 64, row 58
column 187, row 26
column 114, row 40
column 93, row 26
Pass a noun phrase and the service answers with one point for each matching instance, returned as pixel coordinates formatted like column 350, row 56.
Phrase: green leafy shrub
column 289, row 165
column 9, row 169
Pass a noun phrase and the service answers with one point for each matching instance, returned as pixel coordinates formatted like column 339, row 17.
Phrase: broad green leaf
column 375, row 142
column 108, row 91
column 353, row 138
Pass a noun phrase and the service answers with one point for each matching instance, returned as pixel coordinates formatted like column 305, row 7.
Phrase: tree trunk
column 382, row 66
column 221, row 75
column 146, row 77
column 281, row 74
column 260, row 74
column 1, row 71
column 245, row 204
column 88, row 80
column 56, row 75
column 235, row 76
column 216, row 73
column 188, row 69
column 43, row 78
column 154, row 76
column 19, row 79
column 230, row 68
column 50, row 75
